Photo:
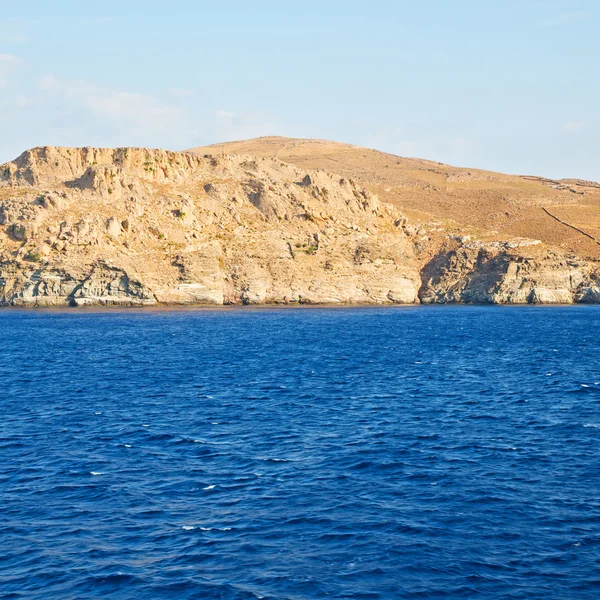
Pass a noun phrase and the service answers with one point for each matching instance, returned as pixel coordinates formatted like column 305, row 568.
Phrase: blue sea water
column 422, row 452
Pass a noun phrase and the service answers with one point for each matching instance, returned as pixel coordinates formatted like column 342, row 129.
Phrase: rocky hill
column 129, row 226
column 490, row 205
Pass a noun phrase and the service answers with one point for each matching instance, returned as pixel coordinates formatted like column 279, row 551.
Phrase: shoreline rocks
column 138, row 227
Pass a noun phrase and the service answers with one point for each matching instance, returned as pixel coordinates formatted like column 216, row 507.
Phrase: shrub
column 33, row 257
column 17, row 232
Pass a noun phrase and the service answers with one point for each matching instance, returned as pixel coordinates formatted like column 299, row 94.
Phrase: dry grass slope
column 485, row 204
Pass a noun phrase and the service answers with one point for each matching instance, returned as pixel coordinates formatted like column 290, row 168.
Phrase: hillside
column 136, row 226
column 294, row 221
column 489, row 205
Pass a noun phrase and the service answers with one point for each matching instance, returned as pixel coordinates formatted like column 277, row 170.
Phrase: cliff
column 134, row 226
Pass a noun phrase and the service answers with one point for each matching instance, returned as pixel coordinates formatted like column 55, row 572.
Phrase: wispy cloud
column 8, row 64
column 138, row 109
column 181, row 93
column 239, row 126
column 573, row 125
column 134, row 116
column 11, row 31
column 461, row 143
column 565, row 18
column 22, row 101
column 545, row 5
column 98, row 21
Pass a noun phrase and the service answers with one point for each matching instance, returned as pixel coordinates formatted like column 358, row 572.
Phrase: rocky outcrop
column 106, row 286
column 143, row 227
column 101, row 286
column 506, row 274
column 136, row 227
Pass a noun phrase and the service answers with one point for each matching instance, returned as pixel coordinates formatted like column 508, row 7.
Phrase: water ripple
column 433, row 452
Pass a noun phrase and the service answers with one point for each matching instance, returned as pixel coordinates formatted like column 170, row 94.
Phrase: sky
column 504, row 85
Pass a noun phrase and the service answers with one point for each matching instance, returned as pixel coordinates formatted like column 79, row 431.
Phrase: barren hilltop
column 487, row 204
column 278, row 220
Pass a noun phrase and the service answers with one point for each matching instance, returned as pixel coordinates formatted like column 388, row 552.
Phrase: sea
column 300, row 453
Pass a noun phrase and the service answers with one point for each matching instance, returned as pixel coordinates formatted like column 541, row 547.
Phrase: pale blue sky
column 502, row 84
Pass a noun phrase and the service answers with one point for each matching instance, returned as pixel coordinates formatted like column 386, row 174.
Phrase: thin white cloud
column 565, row 18
column 387, row 139
column 8, row 64
column 22, row 101
column 405, row 148
column 98, row 21
column 137, row 115
column 12, row 32
column 573, row 125
column 544, row 5
column 82, row 112
column 460, row 143
column 181, row 93
column 240, row 126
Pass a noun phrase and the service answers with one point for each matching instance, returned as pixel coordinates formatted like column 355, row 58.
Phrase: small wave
column 359, row 518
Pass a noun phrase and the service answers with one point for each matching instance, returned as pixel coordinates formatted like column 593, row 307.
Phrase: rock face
column 499, row 274
column 133, row 226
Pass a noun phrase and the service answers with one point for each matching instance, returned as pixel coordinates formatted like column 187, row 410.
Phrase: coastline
column 249, row 308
